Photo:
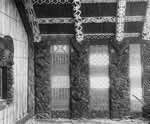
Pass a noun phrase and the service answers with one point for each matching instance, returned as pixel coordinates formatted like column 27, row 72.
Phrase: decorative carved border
column 32, row 19
column 88, row 20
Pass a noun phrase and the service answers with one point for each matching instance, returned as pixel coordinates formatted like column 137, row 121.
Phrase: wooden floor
column 95, row 121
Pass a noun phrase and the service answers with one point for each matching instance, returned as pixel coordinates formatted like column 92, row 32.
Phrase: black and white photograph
column 74, row 61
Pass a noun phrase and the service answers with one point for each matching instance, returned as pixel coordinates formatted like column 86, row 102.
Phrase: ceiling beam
column 120, row 21
column 88, row 20
column 32, row 19
column 146, row 28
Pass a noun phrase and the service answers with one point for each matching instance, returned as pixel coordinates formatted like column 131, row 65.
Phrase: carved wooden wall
column 115, row 28
column 11, row 24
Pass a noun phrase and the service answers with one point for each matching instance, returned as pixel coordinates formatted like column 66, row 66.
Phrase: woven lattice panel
column 59, row 77
column 135, row 73
column 99, row 80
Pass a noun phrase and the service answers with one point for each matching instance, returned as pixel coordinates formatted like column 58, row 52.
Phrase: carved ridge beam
column 32, row 19
column 120, row 22
column 88, row 20
column 40, row 2
column 146, row 28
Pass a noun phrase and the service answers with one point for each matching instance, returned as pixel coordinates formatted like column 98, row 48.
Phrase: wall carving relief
column 6, row 63
column 119, row 80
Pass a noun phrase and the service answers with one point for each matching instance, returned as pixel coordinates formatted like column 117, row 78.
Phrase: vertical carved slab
column 31, row 81
column 146, row 78
column 146, row 29
column 119, row 81
column 42, row 80
column 120, row 20
column 79, row 72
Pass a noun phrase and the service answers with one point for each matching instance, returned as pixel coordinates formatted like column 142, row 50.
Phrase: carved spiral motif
column 78, row 20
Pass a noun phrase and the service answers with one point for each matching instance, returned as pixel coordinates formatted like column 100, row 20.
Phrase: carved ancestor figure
column 6, row 51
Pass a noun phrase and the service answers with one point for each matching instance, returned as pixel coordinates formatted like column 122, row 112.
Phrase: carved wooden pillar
column 120, row 20
column 146, row 62
column 79, row 73
column 119, row 80
column 119, row 59
column 78, row 20
column 146, row 28
column 146, row 78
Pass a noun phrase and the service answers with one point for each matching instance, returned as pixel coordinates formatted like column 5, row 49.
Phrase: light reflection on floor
column 93, row 121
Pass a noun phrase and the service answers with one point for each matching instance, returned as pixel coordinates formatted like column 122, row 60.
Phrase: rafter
column 146, row 28
column 88, row 20
column 109, row 1
column 96, row 35
column 32, row 19
column 78, row 20
column 51, row 1
column 120, row 20
column 40, row 2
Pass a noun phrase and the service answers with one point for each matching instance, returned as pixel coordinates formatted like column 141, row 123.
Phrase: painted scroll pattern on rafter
column 101, row 19
column 39, row 2
column 32, row 18
column 51, row 1
column 94, row 36
column 146, row 29
column 120, row 20
column 78, row 20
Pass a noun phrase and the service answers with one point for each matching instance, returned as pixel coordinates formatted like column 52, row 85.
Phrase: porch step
column 93, row 121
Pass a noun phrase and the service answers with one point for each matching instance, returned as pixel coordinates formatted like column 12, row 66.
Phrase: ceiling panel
column 53, row 10
column 136, row 8
column 99, row 28
column 99, row 9
column 57, row 28
column 133, row 27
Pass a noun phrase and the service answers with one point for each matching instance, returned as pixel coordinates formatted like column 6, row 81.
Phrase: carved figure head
column 6, row 51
